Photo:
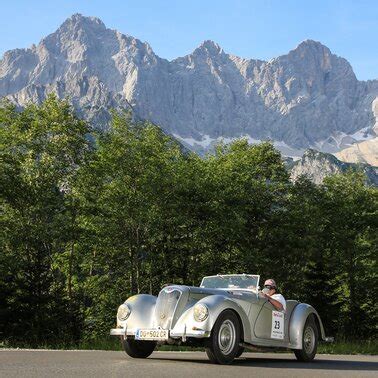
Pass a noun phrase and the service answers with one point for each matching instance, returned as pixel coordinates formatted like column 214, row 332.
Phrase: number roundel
column 278, row 318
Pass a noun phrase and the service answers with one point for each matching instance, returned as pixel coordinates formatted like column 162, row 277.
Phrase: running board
column 256, row 348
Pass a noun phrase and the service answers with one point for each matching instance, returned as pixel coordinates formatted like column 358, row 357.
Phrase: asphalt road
column 43, row 363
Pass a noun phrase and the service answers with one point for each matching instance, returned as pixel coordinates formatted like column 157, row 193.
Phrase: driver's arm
column 276, row 304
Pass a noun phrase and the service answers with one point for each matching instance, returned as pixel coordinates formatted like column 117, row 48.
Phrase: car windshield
column 231, row 281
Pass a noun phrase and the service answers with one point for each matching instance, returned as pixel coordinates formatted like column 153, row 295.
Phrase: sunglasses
column 269, row 287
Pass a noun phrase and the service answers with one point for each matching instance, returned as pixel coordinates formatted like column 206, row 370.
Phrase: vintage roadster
column 225, row 315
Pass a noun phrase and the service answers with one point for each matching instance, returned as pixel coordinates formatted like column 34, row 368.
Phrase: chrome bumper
column 122, row 332
column 174, row 335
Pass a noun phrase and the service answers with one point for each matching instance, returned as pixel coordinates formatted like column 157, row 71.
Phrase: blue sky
column 252, row 29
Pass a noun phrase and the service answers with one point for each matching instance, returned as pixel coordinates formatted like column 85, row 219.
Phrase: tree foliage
column 88, row 220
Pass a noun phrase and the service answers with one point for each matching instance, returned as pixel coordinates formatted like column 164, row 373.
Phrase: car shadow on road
column 280, row 363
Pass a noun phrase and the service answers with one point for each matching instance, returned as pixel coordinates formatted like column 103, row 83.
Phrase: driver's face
column 269, row 290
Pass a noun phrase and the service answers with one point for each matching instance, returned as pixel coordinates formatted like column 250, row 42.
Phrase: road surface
column 91, row 364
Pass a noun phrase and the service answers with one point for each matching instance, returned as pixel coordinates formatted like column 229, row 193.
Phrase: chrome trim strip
column 198, row 334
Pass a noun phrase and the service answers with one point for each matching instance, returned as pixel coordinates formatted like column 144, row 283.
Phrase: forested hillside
column 88, row 219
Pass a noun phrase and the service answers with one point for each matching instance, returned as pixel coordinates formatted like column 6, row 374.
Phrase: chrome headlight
column 200, row 312
column 123, row 311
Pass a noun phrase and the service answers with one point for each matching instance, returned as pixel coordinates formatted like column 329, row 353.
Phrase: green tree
column 351, row 209
column 41, row 150
column 309, row 266
column 127, row 193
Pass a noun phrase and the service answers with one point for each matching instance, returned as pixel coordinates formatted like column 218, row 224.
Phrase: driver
column 270, row 292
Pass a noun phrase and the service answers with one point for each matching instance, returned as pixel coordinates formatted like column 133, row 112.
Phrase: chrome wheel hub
column 226, row 337
column 309, row 340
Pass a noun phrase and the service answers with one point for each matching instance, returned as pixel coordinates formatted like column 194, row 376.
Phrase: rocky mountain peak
column 309, row 52
column 207, row 49
column 311, row 45
column 74, row 30
column 210, row 46
column 78, row 21
column 313, row 55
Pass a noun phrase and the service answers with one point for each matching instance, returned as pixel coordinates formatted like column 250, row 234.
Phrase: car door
column 263, row 323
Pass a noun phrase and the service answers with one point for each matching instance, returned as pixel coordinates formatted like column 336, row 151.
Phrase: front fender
column 142, row 311
column 297, row 322
column 216, row 304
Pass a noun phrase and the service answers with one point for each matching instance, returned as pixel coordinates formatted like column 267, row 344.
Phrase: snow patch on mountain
column 206, row 143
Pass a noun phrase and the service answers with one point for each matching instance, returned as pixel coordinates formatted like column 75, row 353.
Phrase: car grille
column 165, row 307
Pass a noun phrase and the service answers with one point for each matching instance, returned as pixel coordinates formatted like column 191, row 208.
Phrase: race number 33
column 277, row 325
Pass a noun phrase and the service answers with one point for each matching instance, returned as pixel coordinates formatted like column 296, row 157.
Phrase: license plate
column 151, row 334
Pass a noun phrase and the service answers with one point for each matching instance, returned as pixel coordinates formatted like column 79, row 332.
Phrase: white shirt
column 281, row 299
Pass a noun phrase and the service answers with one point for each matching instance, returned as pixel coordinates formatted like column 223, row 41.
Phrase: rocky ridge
column 317, row 166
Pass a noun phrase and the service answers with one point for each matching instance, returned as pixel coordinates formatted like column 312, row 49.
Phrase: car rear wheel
column 309, row 341
column 223, row 344
column 138, row 348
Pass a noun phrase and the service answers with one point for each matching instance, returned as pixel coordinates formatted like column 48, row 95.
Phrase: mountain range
column 308, row 98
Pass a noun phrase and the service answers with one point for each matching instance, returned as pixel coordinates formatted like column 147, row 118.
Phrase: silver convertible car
column 225, row 315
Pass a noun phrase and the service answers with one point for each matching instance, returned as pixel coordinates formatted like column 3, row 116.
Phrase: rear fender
column 297, row 322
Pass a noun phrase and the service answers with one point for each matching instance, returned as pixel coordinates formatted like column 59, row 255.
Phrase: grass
column 350, row 347
column 106, row 343
column 368, row 347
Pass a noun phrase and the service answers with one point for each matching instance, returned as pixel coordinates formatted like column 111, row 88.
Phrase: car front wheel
column 240, row 352
column 138, row 348
column 309, row 341
column 223, row 344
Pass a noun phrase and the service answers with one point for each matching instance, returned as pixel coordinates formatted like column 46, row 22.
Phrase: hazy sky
column 252, row 29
